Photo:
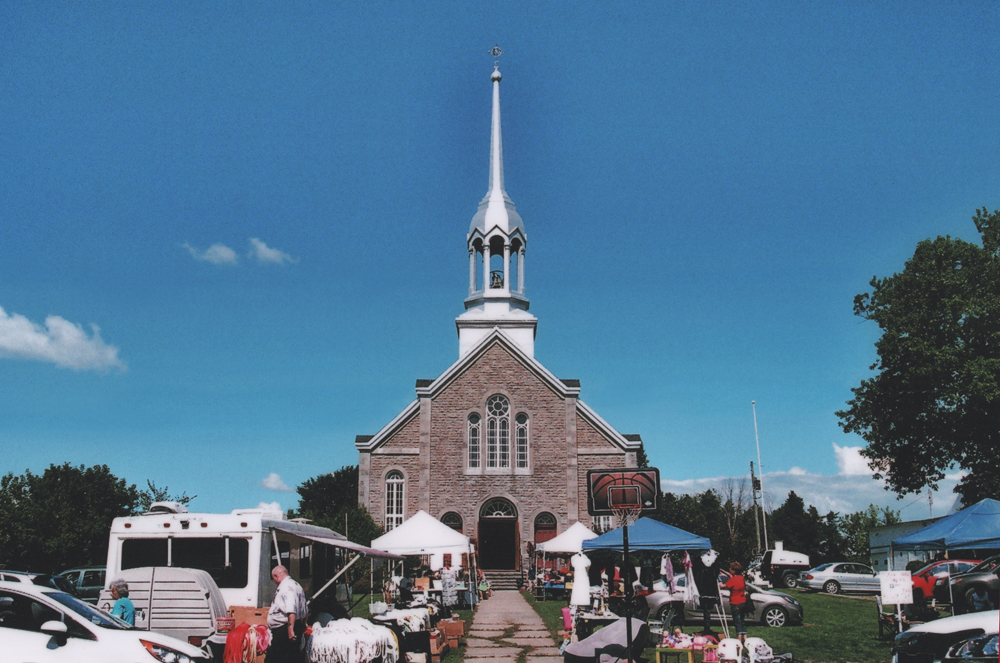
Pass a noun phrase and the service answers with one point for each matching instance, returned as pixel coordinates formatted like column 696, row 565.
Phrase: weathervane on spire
column 495, row 52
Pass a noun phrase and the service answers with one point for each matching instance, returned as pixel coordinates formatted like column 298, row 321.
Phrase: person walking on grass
column 737, row 587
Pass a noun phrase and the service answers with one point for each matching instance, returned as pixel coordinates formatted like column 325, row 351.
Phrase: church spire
column 496, row 244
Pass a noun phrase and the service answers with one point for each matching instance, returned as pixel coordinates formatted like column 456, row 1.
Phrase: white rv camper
column 237, row 551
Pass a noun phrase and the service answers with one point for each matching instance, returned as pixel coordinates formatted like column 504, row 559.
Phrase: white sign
column 897, row 587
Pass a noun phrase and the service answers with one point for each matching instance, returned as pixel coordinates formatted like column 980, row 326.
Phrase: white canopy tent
column 423, row 534
column 569, row 542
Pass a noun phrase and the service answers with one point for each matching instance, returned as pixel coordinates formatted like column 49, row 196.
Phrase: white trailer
column 237, row 550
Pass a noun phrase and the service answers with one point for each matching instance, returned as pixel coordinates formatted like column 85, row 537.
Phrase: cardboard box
column 453, row 642
column 452, row 627
column 439, row 646
column 422, row 583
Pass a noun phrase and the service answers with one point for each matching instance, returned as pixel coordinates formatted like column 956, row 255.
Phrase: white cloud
column 273, row 481
column 217, row 254
column 60, row 341
column 269, row 506
column 266, row 255
column 850, row 462
column 842, row 492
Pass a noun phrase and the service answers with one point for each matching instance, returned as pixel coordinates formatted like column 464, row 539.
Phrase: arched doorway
column 498, row 540
column 545, row 529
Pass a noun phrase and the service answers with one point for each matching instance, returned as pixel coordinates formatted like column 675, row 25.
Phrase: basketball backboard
column 608, row 490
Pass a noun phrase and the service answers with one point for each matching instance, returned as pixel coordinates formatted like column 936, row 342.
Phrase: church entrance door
column 498, row 540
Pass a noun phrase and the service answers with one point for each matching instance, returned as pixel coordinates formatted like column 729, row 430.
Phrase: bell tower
column 497, row 244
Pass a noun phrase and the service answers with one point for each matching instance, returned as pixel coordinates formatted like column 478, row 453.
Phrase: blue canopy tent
column 977, row 526
column 649, row 534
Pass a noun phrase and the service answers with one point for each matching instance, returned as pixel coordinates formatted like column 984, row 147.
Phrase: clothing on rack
column 352, row 641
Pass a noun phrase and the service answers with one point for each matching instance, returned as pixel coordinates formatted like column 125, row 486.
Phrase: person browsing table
column 286, row 618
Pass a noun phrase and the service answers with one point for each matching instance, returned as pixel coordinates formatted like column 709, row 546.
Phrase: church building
column 496, row 446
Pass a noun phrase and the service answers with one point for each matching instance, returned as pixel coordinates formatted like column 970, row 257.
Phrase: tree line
column 727, row 517
column 62, row 517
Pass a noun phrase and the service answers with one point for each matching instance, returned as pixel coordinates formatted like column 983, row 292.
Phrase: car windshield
column 988, row 565
column 87, row 611
column 821, row 567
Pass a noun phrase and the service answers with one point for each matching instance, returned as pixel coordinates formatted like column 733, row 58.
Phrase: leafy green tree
column 331, row 500
column 802, row 530
column 934, row 402
column 157, row 494
column 857, row 526
column 640, row 457
column 62, row 517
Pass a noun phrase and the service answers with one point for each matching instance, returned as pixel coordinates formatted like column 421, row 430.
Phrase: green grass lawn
column 836, row 629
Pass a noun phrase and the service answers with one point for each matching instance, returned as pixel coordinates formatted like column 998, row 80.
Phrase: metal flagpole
column 760, row 465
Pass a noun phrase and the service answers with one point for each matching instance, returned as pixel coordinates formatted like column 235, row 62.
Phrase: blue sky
column 233, row 234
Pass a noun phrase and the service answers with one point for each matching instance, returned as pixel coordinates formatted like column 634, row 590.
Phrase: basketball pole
column 628, row 591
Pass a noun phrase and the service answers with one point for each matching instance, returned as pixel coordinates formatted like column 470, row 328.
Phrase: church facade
column 496, row 446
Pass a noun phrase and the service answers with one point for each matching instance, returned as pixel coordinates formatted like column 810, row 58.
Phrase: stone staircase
column 500, row 580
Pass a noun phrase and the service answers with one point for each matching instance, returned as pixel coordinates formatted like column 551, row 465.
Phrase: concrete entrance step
column 501, row 580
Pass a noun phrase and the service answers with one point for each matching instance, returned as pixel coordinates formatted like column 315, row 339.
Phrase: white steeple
column 496, row 244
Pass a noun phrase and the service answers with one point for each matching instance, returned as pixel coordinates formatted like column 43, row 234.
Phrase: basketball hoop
column 626, row 514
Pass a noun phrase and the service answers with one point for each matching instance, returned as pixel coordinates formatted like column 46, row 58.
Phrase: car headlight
column 166, row 654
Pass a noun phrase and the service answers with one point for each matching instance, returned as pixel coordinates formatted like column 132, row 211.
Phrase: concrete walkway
column 506, row 628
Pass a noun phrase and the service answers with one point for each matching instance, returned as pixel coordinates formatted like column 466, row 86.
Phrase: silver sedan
column 838, row 577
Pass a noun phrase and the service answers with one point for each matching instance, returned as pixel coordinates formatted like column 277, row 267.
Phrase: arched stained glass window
column 452, row 520
column 521, row 435
column 497, row 432
column 395, row 489
column 475, row 441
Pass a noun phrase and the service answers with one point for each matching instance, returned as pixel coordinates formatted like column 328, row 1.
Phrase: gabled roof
column 497, row 337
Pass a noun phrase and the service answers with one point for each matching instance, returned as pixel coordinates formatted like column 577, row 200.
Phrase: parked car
column 984, row 649
column 837, row 577
column 42, row 579
column 983, row 576
column 87, row 582
column 45, row 625
column 771, row 608
column 932, row 580
column 929, row 642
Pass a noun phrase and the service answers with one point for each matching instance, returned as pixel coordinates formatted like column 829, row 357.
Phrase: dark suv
column 87, row 582
column 983, row 576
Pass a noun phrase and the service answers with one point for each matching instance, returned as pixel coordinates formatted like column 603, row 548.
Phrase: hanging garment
column 691, row 595
column 667, row 572
column 352, row 641
column 449, row 587
column 581, row 580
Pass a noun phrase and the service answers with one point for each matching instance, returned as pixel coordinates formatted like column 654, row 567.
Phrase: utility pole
column 763, row 507
column 754, row 487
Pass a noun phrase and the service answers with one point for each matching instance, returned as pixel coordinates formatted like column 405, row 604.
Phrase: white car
column 929, row 642
column 43, row 625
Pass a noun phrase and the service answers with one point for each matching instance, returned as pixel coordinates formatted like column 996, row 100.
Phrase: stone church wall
column 400, row 452
column 455, row 487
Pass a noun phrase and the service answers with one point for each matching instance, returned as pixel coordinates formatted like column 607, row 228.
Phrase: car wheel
column 774, row 616
column 831, row 587
column 790, row 579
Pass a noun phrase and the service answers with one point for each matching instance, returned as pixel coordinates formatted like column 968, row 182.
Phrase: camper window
column 305, row 557
column 144, row 552
column 285, row 548
column 207, row 554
